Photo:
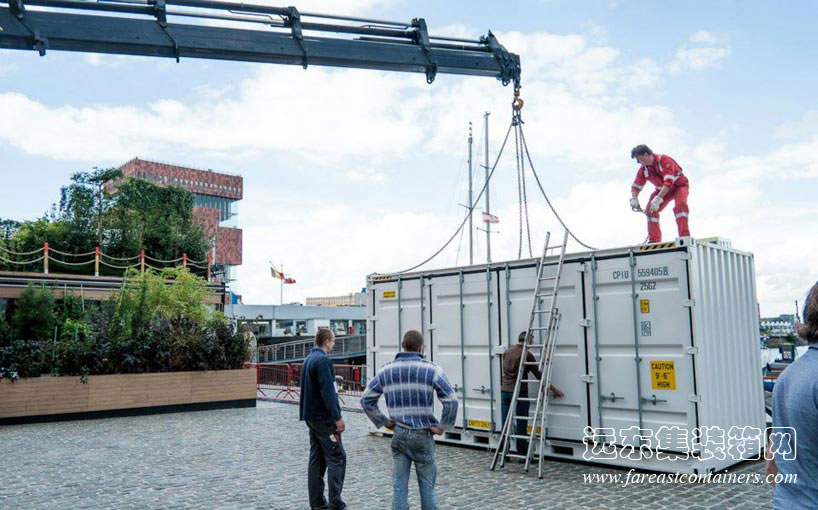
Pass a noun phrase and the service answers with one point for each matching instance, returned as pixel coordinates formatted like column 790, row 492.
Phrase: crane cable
column 471, row 209
column 516, row 124
column 545, row 195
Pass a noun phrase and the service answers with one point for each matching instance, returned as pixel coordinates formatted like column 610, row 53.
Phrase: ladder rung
column 542, row 311
column 529, row 380
column 527, row 399
column 516, row 455
column 554, row 247
column 549, row 278
column 538, row 328
column 531, row 362
column 523, row 417
column 517, row 436
column 547, row 294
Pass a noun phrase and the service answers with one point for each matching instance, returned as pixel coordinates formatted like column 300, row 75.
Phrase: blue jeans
column 418, row 446
column 521, row 426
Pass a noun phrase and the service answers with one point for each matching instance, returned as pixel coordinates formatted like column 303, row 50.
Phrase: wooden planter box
column 66, row 398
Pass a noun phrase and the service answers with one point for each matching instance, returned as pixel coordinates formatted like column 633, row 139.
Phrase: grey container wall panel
column 567, row 416
column 475, row 385
column 663, row 334
column 725, row 319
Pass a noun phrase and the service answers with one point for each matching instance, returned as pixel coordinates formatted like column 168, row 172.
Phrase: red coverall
column 665, row 172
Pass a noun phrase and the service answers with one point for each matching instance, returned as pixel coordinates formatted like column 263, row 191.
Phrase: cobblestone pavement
column 256, row 458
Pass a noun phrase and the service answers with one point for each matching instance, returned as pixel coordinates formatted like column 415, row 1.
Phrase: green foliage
column 25, row 358
column 5, row 332
column 34, row 316
column 139, row 216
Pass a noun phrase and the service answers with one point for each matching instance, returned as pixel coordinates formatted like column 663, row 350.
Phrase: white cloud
column 708, row 54
column 581, row 121
column 703, row 37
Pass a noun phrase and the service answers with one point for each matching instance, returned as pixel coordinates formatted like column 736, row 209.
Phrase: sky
column 350, row 172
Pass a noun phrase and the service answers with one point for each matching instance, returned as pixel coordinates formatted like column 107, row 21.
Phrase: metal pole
column 637, row 359
column 281, row 289
column 462, row 348
column 471, row 200
column 488, row 203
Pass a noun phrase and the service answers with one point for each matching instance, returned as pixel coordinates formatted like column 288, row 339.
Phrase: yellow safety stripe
column 657, row 246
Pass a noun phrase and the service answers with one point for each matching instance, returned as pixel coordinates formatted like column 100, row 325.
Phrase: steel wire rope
column 519, row 188
column 21, row 254
column 545, row 195
column 471, row 208
column 525, row 207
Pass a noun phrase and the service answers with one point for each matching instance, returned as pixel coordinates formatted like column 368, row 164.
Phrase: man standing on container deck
column 508, row 378
column 410, row 382
column 320, row 409
column 671, row 184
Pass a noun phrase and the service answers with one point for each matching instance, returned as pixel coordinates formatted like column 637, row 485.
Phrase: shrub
column 34, row 314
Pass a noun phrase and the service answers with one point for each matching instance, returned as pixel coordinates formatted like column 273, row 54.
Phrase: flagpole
column 488, row 205
column 281, row 281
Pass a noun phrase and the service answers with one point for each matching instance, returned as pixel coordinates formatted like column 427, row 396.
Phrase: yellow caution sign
column 663, row 375
column 644, row 305
column 389, row 294
column 528, row 429
column 479, row 424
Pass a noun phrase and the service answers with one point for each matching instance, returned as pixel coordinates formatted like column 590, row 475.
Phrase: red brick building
column 215, row 197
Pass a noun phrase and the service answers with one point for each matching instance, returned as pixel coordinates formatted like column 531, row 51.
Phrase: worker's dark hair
column 809, row 328
column 639, row 150
column 323, row 336
column 521, row 338
column 412, row 341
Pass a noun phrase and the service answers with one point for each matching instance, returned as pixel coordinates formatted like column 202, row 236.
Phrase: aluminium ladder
column 543, row 354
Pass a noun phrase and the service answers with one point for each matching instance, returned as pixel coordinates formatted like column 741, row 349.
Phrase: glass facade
column 225, row 206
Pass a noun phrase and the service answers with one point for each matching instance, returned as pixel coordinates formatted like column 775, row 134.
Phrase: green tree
column 34, row 316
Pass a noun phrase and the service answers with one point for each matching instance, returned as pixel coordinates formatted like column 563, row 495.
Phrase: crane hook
column 517, row 103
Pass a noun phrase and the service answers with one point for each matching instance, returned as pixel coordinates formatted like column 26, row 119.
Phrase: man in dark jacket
column 319, row 408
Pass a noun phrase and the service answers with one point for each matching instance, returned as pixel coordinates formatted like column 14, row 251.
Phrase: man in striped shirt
column 410, row 383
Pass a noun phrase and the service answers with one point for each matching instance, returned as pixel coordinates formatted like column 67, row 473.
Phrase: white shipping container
column 651, row 337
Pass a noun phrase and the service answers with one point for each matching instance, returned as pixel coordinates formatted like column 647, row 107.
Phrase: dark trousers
column 522, row 424
column 327, row 456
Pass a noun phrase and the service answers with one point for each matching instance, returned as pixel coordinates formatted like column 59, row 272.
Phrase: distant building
column 298, row 320
column 782, row 325
column 215, row 200
column 351, row 299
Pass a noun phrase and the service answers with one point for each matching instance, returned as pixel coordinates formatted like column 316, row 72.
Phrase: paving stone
column 257, row 459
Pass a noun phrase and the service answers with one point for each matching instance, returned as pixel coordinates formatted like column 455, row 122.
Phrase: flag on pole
column 490, row 218
column 276, row 273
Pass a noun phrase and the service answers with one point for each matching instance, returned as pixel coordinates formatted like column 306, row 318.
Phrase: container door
column 655, row 390
column 464, row 328
column 567, row 416
column 400, row 307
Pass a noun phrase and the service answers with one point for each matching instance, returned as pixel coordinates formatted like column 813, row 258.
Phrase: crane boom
column 282, row 36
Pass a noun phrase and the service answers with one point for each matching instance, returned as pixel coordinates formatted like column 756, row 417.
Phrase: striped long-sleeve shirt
column 410, row 383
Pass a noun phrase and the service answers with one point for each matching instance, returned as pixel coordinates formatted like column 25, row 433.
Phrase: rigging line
column 21, row 263
column 517, row 152
column 471, row 208
column 525, row 206
column 545, row 195
column 459, row 244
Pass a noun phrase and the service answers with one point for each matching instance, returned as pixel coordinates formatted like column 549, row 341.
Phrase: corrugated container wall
column 651, row 338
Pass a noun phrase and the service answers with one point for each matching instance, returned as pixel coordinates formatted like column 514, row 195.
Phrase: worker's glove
column 656, row 203
column 635, row 204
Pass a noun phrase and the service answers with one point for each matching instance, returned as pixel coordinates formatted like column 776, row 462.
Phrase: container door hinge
column 689, row 303
column 585, row 323
column 693, row 351
column 685, row 255
column 432, row 327
column 587, row 378
column 695, row 398
column 582, row 268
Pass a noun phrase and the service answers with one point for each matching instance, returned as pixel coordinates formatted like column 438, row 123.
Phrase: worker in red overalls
column 671, row 184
